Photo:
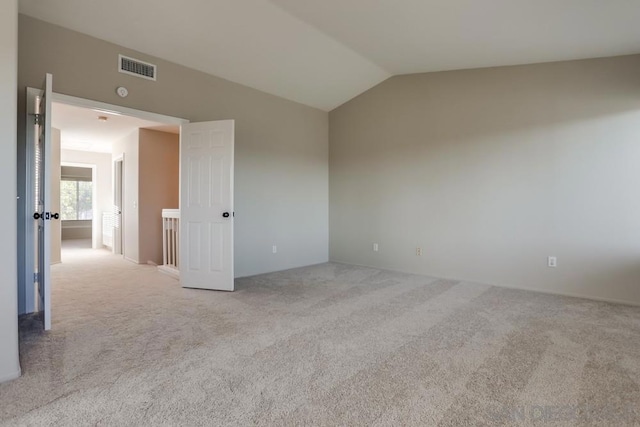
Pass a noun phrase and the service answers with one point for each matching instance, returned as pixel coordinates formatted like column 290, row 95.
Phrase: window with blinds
column 76, row 194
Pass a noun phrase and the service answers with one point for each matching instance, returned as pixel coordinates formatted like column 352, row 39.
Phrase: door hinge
column 36, row 277
column 37, row 118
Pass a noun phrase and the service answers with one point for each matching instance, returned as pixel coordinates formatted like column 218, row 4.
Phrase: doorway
column 73, row 148
column 77, row 206
column 206, row 156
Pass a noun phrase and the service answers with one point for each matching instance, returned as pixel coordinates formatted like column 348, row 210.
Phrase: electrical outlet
column 375, row 247
column 418, row 251
column 552, row 262
column 274, row 249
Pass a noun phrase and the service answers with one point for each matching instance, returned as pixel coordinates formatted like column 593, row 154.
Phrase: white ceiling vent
column 135, row 67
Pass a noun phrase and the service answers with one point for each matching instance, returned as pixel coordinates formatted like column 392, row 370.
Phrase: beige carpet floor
column 324, row 345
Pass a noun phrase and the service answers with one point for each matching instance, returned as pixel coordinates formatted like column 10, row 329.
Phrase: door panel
column 118, row 171
column 206, row 205
column 217, row 247
column 41, row 212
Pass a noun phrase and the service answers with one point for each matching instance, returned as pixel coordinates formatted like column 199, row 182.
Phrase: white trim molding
column 11, row 376
column 118, row 109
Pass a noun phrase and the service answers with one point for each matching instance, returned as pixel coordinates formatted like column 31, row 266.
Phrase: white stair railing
column 170, row 242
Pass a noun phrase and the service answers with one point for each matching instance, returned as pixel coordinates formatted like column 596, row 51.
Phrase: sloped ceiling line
column 324, row 53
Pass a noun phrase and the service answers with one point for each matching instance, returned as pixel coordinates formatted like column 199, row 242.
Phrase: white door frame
column 116, row 109
column 118, row 181
column 27, row 226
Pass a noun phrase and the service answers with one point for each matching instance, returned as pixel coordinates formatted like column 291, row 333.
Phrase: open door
column 206, row 205
column 41, row 191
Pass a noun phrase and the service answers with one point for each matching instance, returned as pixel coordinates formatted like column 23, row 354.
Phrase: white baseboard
column 244, row 276
column 571, row 295
column 500, row 285
column 10, row 377
column 169, row 271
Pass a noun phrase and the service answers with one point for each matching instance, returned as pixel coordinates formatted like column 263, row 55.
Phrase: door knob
column 46, row 215
column 225, row 215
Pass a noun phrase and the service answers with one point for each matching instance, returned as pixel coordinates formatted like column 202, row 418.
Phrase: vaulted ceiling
column 324, row 52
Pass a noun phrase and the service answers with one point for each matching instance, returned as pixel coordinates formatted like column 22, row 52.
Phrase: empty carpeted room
column 363, row 213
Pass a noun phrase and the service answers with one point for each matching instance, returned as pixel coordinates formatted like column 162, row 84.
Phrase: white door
column 206, row 205
column 118, row 171
column 42, row 215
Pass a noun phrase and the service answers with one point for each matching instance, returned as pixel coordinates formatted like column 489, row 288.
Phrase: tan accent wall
column 491, row 171
column 158, row 188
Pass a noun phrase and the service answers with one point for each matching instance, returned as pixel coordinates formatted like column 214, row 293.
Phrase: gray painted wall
column 281, row 169
column 9, row 364
column 492, row 170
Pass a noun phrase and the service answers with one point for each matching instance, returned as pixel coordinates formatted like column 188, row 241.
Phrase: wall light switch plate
column 552, row 262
